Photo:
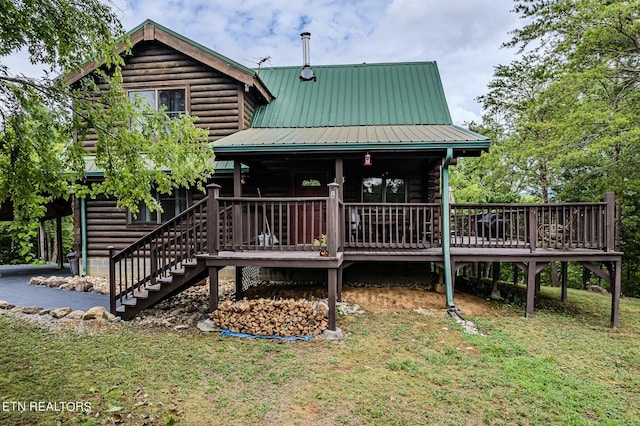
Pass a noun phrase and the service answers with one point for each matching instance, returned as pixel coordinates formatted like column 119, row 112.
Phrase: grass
column 564, row 366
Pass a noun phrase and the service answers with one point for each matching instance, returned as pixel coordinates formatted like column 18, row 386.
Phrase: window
column 383, row 190
column 171, row 101
column 172, row 205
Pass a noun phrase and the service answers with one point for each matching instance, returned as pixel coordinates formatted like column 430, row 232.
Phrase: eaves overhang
column 351, row 138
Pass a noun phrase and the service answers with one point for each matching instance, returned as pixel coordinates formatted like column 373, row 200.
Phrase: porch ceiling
column 350, row 138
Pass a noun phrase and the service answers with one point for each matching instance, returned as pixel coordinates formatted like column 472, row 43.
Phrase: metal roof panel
column 350, row 137
column 354, row 95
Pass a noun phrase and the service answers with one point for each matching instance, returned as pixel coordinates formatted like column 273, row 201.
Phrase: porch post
column 333, row 229
column 341, row 215
column 563, row 294
column 533, row 228
column 532, row 272
column 213, row 219
column 446, row 216
column 237, row 209
column 615, row 293
column 237, row 178
column 332, row 280
column 213, row 288
column 609, row 199
column 340, row 274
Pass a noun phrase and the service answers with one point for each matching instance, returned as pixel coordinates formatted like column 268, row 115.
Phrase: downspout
column 83, row 231
column 446, row 215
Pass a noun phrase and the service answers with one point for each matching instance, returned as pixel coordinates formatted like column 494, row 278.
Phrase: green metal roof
column 220, row 167
column 346, row 138
column 354, row 95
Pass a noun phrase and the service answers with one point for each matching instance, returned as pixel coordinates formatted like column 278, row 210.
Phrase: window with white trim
column 171, row 101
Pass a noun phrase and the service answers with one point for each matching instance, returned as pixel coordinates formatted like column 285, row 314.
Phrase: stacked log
column 266, row 317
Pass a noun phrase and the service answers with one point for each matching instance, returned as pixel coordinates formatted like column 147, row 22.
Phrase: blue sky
column 462, row 36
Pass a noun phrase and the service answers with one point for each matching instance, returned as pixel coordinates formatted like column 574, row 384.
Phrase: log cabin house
column 355, row 158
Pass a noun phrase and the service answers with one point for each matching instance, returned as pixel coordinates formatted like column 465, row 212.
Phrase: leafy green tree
column 43, row 121
column 569, row 106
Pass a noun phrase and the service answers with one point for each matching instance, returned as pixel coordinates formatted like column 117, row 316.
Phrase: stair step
column 121, row 309
column 154, row 287
column 166, row 280
column 178, row 272
column 130, row 302
column 189, row 264
column 142, row 294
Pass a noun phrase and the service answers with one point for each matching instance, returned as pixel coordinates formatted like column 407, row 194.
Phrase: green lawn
column 564, row 366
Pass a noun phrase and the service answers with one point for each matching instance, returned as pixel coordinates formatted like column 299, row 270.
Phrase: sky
column 462, row 36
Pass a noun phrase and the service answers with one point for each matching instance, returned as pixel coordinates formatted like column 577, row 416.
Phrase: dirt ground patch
column 393, row 299
column 383, row 299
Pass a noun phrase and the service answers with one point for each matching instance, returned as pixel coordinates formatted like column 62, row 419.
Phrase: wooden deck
column 285, row 232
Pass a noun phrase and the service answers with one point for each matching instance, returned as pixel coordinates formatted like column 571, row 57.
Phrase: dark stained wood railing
column 391, row 225
column 534, row 226
column 271, row 223
column 243, row 223
column 155, row 255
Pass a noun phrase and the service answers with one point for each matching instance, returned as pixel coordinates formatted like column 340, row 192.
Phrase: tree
column 571, row 104
column 43, row 121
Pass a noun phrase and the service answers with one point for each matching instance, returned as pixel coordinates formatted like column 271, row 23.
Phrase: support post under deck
column 615, row 293
column 239, row 288
column 332, row 281
column 532, row 273
column 213, row 288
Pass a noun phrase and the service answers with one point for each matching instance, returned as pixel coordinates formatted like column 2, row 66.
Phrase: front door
column 311, row 216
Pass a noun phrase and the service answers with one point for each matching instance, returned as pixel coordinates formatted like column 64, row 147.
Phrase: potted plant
column 321, row 243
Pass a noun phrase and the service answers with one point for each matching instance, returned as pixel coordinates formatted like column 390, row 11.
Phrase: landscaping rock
column 32, row 310
column 331, row 335
column 208, row 326
column 83, row 286
column 77, row 283
column 60, row 312
column 596, row 289
column 6, row 305
column 97, row 312
column 181, row 327
column 77, row 315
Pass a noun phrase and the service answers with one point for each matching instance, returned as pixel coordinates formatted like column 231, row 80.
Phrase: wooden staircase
column 178, row 280
column 160, row 264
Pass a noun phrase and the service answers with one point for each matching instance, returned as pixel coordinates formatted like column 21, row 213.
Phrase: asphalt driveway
column 15, row 289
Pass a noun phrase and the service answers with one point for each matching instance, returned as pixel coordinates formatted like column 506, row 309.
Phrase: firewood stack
column 266, row 317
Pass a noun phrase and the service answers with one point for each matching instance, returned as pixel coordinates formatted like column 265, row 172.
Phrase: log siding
column 210, row 95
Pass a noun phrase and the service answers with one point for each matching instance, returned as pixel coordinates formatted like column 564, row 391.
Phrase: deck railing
column 391, row 225
column 546, row 226
column 155, row 255
column 232, row 223
column 271, row 223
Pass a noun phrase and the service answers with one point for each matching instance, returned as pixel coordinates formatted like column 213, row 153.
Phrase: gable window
column 383, row 190
column 172, row 205
column 171, row 101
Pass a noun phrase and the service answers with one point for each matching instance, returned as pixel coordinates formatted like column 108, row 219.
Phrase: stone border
column 94, row 313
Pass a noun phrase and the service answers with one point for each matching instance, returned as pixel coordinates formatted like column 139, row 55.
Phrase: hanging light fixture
column 367, row 160
column 242, row 181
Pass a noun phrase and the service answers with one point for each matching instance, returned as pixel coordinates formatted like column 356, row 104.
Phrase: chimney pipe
column 307, row 73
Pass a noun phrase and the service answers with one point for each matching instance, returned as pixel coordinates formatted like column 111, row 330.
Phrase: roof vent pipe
column 307, row 73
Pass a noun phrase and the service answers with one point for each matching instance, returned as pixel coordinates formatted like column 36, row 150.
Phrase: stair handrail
column 149, row 248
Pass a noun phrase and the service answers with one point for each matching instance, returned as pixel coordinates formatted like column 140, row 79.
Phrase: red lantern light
column 367, row 160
